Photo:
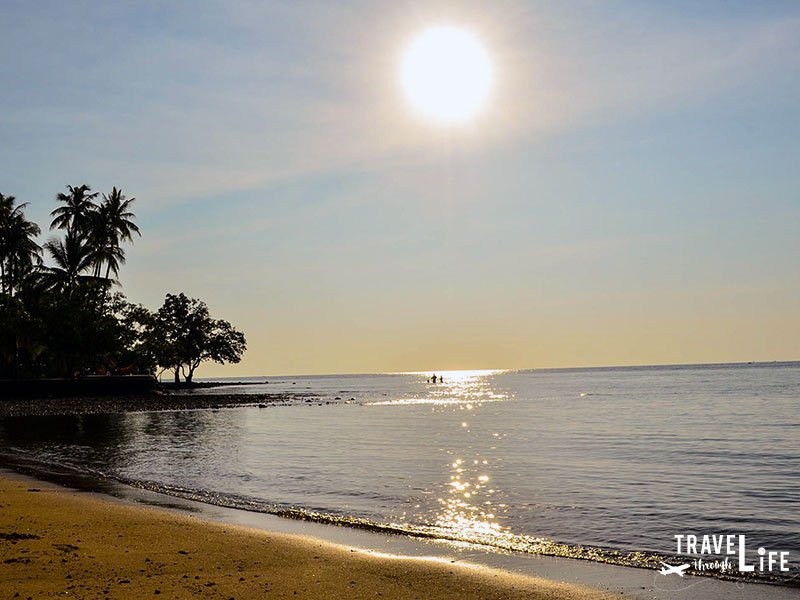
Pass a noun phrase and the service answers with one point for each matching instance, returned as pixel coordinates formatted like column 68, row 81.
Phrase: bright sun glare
column 447, row 74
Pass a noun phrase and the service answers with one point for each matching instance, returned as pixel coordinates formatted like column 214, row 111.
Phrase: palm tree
column 113, row 225
column 72, row 257
column 78, row 206
column 113, row 256
column 6, row 204
column 6, row 217
column 19, row 251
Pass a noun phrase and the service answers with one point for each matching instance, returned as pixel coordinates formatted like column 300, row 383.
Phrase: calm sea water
column 620, row 458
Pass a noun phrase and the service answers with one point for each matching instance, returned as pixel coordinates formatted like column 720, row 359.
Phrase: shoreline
column 603, row 580
column 80, row 405
column 189, row 402
column 57, row 541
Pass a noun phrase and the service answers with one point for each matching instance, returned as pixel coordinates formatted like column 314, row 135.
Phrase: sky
column 629, row 194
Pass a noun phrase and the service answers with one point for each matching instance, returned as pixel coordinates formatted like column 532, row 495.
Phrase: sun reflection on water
column 468, row 389
column 467, row 509
column 467, row 504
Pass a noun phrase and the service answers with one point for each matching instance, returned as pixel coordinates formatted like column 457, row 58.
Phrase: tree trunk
column 16, row 355
column 192, row 367
column 177, row 375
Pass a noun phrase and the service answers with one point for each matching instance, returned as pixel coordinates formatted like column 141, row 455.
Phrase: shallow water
column 622, row 459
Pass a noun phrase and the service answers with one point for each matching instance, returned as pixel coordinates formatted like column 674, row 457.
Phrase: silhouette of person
column 434, row 378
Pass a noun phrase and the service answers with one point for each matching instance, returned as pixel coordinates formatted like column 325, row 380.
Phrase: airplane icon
column 677, row 569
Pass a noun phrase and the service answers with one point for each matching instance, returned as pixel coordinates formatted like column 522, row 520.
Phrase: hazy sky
column 630, row 195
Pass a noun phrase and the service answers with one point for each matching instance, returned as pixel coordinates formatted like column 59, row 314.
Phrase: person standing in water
column 434, row 378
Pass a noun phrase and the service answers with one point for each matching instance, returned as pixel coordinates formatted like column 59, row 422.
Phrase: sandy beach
column 56, row 542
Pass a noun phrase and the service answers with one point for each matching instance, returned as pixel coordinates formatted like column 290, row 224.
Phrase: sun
column 446, row 74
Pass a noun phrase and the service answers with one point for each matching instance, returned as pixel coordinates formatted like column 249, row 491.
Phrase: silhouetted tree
column 21, row 337
column 60, row 319
column 185, row 335
column 75, row 215
column 137, row 324
column 112, row 224
column 72, row 257
column 19, row 252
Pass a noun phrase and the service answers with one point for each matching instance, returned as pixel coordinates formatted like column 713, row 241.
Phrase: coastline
column 56, row 541
column 576, row 578
column 82, row 405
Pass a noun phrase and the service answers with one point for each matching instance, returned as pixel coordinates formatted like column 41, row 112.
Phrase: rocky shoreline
column 79, row 405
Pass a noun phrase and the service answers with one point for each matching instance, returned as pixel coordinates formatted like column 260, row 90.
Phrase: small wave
column 493, row 539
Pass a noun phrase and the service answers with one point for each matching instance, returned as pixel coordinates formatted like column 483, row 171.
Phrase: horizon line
column 507, row 370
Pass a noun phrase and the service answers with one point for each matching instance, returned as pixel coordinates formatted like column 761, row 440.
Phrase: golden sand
column 55, row 542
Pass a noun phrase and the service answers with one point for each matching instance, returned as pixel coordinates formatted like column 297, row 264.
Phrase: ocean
column 607, row 464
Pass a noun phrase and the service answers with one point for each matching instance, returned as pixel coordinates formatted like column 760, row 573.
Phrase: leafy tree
column 185, row 335
column 21, row 338
column 19, row 258
column 137, row 323
column 19, row 252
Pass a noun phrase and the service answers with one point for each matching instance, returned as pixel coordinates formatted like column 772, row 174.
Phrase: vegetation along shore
column 62, row 314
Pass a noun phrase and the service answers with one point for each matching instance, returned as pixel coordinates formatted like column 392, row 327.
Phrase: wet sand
column 55, row 542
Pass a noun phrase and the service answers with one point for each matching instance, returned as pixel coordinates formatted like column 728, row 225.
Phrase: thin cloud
column 184, row 117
